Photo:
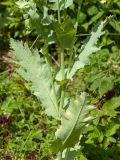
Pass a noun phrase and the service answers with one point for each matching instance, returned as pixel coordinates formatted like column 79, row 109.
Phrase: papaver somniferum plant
column 49, row 86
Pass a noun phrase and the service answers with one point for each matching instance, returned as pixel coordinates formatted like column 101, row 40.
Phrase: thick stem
column 62, row 63
column 51, row 77
column 76, row 29
column 59, row 18
column 63, row 77
column 78, row 14
column 53, row 86
column 59, row 156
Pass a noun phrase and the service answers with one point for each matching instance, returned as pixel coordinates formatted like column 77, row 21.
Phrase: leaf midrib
column 74, row 123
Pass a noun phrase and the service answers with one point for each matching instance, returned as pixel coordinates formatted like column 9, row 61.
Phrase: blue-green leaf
column 63, row 4
column 35, row 70
column 87, row 49
column 73, row 121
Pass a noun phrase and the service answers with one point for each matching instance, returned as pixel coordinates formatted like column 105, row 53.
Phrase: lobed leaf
column 34, row 69
column 87, row 49
column 110, row 106
column 73, row 121
column 65, row 33
column 63, row 4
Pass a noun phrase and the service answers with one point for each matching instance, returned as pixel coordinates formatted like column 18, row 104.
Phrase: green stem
column 76, row 27
column 53, row 86
column 59, row 157
column 62, row 63
column 51, row 77
column 59, row 18
column 78, row 14
column 63, row 77
column 34, row 42
column 62, row 98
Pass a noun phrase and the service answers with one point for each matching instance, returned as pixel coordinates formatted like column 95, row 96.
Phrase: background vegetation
column 25, row 133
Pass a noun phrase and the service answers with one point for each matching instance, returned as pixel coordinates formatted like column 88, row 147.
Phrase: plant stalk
column 76, row 28
column 59, row 157
column 62, row 63
column 59, row 18
column 78, row 13
column 34, row 41
column 51, row 77
column 53, row 86
column 63, row 77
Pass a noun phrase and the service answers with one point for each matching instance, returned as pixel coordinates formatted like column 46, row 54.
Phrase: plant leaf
column 93, row 19
column 88, row 49
column 112, row 130
column 35, row 70
column 73, row 121
column 65, row 33
column 105, row 86
column 110, row 106
column 69, row 154
column 115, row 24
column 63, row 4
